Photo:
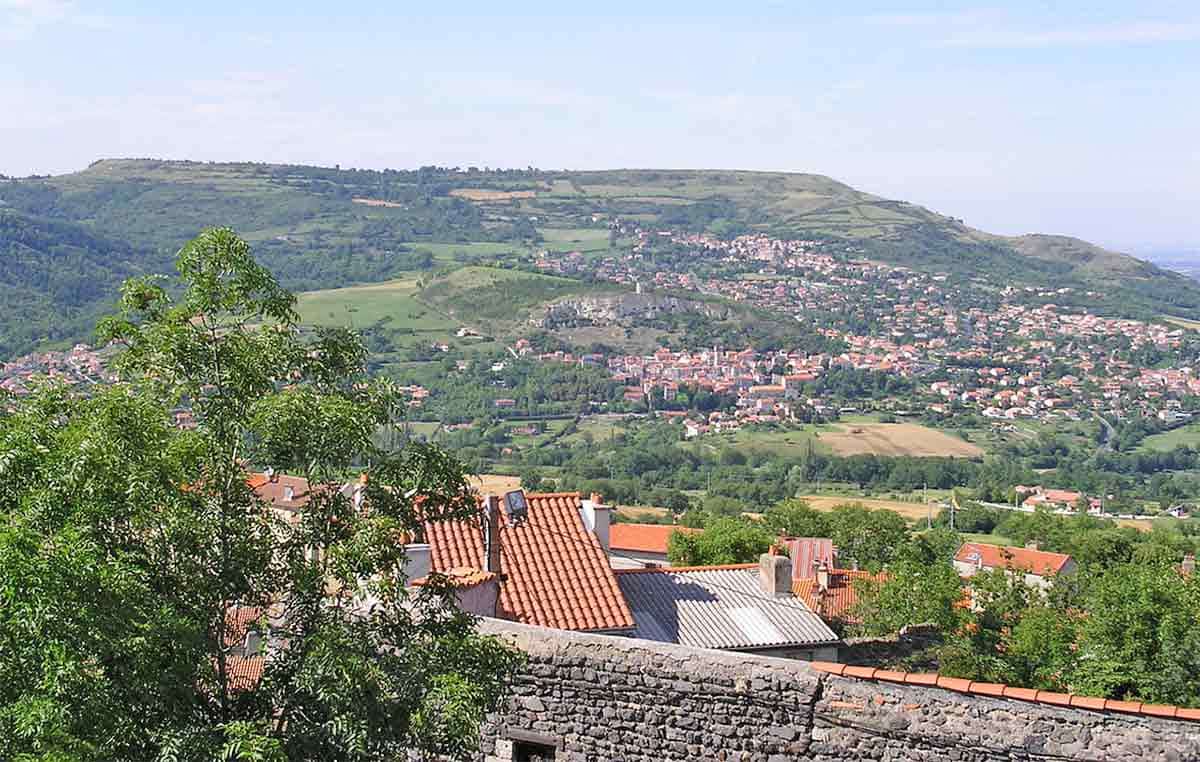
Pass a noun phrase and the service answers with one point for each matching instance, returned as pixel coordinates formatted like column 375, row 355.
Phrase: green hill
column 56, row 278
column 322, row 228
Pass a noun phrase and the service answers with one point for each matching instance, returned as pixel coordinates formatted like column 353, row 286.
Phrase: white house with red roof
column 1037, row 567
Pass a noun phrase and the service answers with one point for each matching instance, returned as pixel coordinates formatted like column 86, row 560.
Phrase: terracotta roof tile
column 1158, row 710
column 244, row 672
column 838, row 600
column 1013, row 692
column 462, row 577
column 1038, row 562
column 1050, row 697
column 1087, row 702
column 644, row 538
column 556, row 574
column 1023, row 694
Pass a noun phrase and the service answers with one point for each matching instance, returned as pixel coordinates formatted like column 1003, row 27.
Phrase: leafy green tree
column 1140, row 638
column 1040, row 648
column 130, row 551
column 723, row 541
column 912, row 591
column 870, row 539
column 796, row 518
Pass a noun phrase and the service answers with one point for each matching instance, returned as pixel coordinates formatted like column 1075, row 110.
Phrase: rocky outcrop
column 622, row 309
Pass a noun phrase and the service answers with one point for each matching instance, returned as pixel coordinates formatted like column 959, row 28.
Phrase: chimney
column 270, row 474
column 1031, row 545
column 775, row 575
column 1189, row 564
column 288, row 492
column 491, row 534
column 596, row 517
column 418, row 560
column 823, row 577
column 360, row 491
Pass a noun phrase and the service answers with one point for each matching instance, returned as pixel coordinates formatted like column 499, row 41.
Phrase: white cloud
column 1127, row 33
column 22, row 19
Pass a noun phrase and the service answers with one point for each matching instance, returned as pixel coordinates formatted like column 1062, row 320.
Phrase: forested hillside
column 68, row 240
column 55, row 277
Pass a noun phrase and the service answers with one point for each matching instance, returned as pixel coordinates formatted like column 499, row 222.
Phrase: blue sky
column 1066, row 117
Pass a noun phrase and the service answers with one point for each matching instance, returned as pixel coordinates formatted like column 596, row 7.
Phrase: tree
column 723, row 541
column 913, row 590
column 870, row 539
column 1140, row 639
column 796, row 518
column 135, row 559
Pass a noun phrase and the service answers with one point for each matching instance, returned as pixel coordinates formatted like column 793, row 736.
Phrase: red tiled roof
column 839, row 599
column 462, row 577
column 647, row 538
column 555, row 572
column 274, row 489
column 244, row 672
column 1038, row 562
column 807, row 553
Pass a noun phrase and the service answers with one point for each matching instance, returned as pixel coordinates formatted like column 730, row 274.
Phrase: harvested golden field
column 484, row 195
column 910, row 511
column 494, row 484
column 897, row 439
column 377, row 202
column 1142, row 525
column 636, row 513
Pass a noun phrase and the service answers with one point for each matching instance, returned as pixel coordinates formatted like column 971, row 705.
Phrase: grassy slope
column 305, row 225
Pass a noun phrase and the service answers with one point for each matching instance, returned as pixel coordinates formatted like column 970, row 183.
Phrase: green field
column 597, row 427
column 496, row 300
column 1188, row 435
column 786, row 443
column 361, row 306
column 451, row 252
column 988, row 539
column 574, row 239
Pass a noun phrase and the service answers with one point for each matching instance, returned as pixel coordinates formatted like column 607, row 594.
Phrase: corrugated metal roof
column 807, row 553
column 717, row 608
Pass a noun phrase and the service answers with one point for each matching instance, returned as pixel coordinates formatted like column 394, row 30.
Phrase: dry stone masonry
column 589, row 697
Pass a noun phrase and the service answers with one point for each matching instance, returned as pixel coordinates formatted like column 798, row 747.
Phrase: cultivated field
column 361, row 306
column 1168, row 440
column 910, row 511
column 480, row 194
column 377, row 202
column 492, row 484
column 898, row 439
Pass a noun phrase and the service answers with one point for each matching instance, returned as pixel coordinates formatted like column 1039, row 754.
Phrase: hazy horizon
column 1017, row 119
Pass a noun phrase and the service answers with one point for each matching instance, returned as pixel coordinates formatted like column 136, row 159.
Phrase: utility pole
column 928, row 506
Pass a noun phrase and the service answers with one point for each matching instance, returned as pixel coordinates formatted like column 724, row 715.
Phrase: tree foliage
column 131, row 550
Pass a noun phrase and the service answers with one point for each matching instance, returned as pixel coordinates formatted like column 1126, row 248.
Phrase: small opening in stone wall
column 530, row 751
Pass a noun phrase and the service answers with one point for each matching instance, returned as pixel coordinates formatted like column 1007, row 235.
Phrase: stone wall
column 590, row 697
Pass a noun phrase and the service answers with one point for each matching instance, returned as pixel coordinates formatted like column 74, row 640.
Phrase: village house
column 639, row 546
column 550, row 564
column 1038, row 568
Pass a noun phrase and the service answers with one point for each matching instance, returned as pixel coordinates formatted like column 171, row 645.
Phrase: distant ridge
column 122, row 216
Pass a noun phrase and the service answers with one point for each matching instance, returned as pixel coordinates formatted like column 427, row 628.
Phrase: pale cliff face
column 606, row 310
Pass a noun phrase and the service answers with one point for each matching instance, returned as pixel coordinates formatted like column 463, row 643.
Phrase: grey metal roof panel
column 717, row 608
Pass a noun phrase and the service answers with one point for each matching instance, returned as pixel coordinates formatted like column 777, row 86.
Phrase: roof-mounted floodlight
column 516, row 507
